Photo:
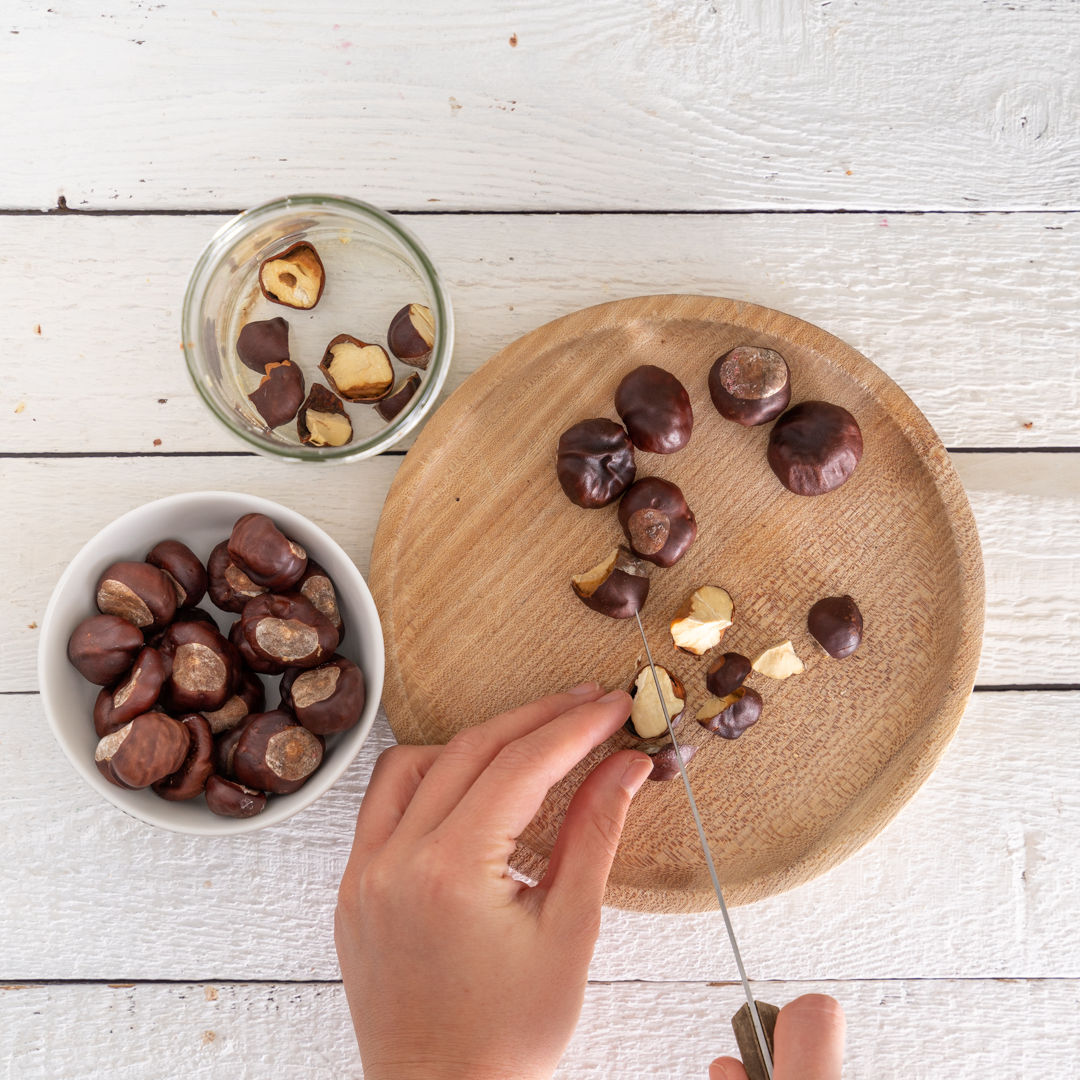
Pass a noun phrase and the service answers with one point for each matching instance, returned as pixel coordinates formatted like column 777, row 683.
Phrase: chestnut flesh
column 265, row 553
column 657, row 521
column 655, row 408
column 357, row 370
column 616, row 587
column 181, row 565
column 102, row 647
column 836, row 625
column 295, row 278
column 322, row 419
column 814, row 447
column 595, row 462
column 750, row 385
column 666, row 761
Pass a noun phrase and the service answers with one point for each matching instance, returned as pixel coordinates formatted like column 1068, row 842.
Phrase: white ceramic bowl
column 200, row 519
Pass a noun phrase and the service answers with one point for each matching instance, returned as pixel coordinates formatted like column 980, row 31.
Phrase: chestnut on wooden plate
column 657, row 520
column 814, row 447
column 837, row 625
column 595, row 462
column 615, row 587
column 655, row 408
column 750, row 385
column 732, row 714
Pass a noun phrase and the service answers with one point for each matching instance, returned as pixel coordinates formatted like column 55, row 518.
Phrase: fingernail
column 613, row 695
column 584, row 688
column 637, row 772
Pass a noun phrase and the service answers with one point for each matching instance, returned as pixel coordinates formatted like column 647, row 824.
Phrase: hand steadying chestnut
column 453, row 969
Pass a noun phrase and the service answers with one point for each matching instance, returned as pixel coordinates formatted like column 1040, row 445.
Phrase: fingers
column 810, row 1039
column 573, row 887
column 470, row 752
column 506, row 796
column 726, row 1068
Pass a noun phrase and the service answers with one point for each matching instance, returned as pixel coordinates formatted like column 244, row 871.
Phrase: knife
column 753, row 1023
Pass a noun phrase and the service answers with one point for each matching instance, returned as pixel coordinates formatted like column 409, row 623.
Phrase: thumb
column 727, row 1068
column 589, row 837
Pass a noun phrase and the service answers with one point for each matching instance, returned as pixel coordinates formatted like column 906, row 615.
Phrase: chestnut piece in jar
column 275, row 754
column 412, row 334
column 295, row 278
column 226, row 798
column 144, row 750
column 189, row 781
column 286, row 630
column 814, row 447
column 616, row 587
column 750, row 385
column 730, row 716
column 357, row 370
column 137, row 694
column 229, row 587
column 655, row 408
column 181, row 565
column 398, row 398
column 657, row 521
column 102, row 647
column 205, row 667
column 595, row 462
column 265, row 553
column 138, row 592
column 837, row 625
column 322, row 419
column 325, row 699
column 263, row 343
column 279, row 394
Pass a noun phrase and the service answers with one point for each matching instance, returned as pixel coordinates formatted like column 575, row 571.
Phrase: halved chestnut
column 294, row 278
column 731, row 715
column 647, row 714
column 666, row 761
column 358, row 371
column 322, row 419
column 616, row 587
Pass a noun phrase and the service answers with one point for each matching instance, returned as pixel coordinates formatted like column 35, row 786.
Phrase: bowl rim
column 232, row 232
column 281, row 807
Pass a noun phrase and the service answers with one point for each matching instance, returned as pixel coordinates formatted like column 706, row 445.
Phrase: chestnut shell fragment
column 837, row 625
column 595, row 462
column 742, row 713
column 814, row 447
column 655, row 408
column 642, row 511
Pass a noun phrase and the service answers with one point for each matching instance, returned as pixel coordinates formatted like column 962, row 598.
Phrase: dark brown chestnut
column 229, row 587
column 250, row 697
column 655, row 408
column 280, row 392
column 275, row 754
column 189, row 781
column 666, row 761
column 138, row 592
column 294, row 278
column 137, row 694
column 286, row 630
column 144, row 750
column 727, row 674
column 327, row 698
column 317, row 587
column 181, row 565
column 205, row 668
column 837, row 625
column 263, row 343
column 322, row 419
column 412, row 334
column 229, row 799
column 357, row 370
column 616, row 587
column 750, row 385
column 103, row 647
column 595, row 462
column 265, row 553
column 225, row 747
column 731, row 715
column 398, row 398
column 814, row 447
column 657, row 521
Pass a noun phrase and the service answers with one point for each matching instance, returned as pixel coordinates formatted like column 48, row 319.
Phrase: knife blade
column 764, row 1041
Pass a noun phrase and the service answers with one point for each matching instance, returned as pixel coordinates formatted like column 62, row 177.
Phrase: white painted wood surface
column 952, row 939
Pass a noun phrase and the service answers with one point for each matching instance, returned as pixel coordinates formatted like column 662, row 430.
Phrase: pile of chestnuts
column 182, row 708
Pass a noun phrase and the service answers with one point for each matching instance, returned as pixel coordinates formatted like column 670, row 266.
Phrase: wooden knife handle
column 743, row 1025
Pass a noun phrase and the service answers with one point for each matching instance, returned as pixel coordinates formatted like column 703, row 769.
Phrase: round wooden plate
column 477, row 543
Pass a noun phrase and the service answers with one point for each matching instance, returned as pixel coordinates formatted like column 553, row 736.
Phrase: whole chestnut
column 137, row 694
column 595, row 462
column 732, row 714
column 616, row 587
column 230, row 588
column 263, row 343
column 275, row 754
column 205, row 668
column 327, row 698
column 750, row 385
column 727, row 674
column 229, row 799
column 268, row 557
column 182, row 567
column 657, row 521
column 225, row 747
column 138, row 592
column 655, row 408
column 837, row 625
column 286, row 630
column 102, row 647
column 189, row 781
column 317, row 587
column 814, row 447
column 250, row 697
column 144, row 750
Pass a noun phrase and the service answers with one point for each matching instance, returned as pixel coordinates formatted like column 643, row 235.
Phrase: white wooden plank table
column 907, row 176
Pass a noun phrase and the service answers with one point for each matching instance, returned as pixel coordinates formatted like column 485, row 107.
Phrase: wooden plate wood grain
column 477, row 543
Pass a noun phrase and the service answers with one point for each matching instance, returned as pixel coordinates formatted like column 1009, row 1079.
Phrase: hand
column 451, row 967
column 809, row 1041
